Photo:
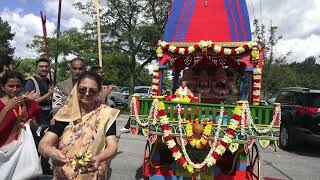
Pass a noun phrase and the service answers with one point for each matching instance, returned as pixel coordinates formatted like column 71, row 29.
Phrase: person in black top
column 43, row 87
column 40, row 84
column 82, row 128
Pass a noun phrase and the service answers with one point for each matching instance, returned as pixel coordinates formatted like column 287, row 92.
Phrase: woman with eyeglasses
column 17, row 146
column 82, row 135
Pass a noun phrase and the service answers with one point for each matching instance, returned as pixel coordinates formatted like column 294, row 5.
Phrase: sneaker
column 124, row 130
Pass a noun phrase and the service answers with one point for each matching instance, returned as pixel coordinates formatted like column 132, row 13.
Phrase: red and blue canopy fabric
column 219, row 21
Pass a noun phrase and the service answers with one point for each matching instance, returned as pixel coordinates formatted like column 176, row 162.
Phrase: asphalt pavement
column 301, row 164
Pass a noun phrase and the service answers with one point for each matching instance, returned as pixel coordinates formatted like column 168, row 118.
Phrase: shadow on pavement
column 306, row 149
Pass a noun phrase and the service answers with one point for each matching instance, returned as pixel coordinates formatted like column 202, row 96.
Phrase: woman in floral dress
column 81, row 139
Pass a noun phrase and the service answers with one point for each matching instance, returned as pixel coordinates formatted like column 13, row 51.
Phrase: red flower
column 216, row 156
column 246, row 47
column 177, row 50
column 222, row 51
column 181, row 161
column 204, row 168
column 168, row 138
column 167, row 46
column 186, row 51
column 175, row 149
column 231, row 131
column 236, row 117
column 196, row 46
column 162, row 113
column 224, row 144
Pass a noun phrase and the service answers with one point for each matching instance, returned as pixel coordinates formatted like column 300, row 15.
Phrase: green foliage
column 167, row 83
column 116, row 70
column 268, row 40
column 26, row 66
column 132, row 27
column 303, row 74
column 73, row 41
column 129, row 28
column 5, row 37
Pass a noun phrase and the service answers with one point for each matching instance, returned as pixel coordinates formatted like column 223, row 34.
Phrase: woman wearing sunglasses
column 82, row 137
column 17, row 147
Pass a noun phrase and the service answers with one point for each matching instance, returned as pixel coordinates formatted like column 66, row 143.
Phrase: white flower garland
column 269, row 128
column 209, row 160
column 203, row 45
column 154, row 108
column 244, row 106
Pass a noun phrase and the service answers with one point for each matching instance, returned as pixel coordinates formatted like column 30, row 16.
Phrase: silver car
column 143, row 91
column 116, row 96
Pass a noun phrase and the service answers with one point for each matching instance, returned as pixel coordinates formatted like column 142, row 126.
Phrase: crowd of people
column 66, row 130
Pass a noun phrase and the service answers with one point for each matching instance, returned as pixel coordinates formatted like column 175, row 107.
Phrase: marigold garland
column 212, row 157
column 199, row 143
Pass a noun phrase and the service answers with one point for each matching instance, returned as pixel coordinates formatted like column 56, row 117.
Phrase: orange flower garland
column 199, row 143
column 213, row 155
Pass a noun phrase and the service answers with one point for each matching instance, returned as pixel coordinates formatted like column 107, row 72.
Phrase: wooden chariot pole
column 96, row 4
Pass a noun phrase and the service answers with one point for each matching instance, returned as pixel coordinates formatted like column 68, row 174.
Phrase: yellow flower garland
column 196, row 142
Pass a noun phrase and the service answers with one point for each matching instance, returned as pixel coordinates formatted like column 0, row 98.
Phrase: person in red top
column 15, row 109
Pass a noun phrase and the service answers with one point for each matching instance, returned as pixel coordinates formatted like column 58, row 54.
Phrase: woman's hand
column 92, row 165
column 23, row 124
column 58, row 158
column 14, row 102
column 30, row 95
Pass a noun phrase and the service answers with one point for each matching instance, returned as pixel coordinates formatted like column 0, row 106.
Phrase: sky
column 298, row 22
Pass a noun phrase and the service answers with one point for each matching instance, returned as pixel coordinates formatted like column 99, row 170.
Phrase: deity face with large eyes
column 219, row 87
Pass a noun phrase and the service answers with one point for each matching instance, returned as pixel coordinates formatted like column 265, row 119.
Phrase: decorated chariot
column 211, row 127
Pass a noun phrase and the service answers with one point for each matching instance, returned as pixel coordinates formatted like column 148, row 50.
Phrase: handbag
column 19, row 159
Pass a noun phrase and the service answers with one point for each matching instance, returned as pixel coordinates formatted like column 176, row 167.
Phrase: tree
column 116, row 70
column 73, row 41
column 82, row 43
column 268, row 41
column 25, row 66
column 5, row 37
column 132, row 27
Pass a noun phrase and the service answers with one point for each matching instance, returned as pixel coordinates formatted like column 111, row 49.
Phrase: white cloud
column 25, row 26
column 70, row 16
column 300, row 47
column 298, row 23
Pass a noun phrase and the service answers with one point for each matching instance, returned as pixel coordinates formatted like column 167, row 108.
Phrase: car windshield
column 311, row 100
column 141, row 90
column 115, row 89
column 125, row 89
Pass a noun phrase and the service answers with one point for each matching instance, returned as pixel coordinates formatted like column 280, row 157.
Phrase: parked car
column 143, row 91
column 110, row 103
column 300, row 116
column 125, row 93
column 125, row 90
column 116, row 96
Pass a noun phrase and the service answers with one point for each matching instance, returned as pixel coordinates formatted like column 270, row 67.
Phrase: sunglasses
column 90, row 91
